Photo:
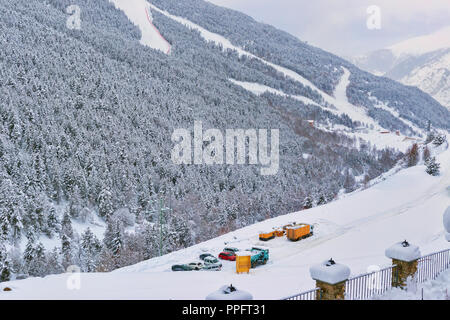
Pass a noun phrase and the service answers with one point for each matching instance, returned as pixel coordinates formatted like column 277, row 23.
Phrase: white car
column 212, row 263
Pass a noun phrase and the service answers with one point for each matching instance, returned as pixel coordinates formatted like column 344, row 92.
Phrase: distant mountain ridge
column 423, row 62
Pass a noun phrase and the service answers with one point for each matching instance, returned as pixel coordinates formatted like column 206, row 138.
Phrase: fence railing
column 430, row 266
column 367, row 285
column 314, row 294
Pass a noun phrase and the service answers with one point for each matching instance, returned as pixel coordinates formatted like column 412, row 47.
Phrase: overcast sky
column 340, row 26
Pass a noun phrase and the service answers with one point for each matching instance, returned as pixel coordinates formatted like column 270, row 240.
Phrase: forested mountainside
column 86, row 118
column 320, row 67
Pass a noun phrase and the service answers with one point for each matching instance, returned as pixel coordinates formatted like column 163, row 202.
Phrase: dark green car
column 193, row 266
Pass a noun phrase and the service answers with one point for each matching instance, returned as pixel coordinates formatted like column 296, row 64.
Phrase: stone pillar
column 405, row 256
column 330, row 278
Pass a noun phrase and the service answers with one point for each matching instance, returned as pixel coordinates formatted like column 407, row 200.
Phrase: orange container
column 279, row 233
column 267, row 236
column 243, row 263
column 298, row 232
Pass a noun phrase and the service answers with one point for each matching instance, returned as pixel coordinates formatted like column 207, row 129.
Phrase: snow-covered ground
column 438, row 289
column 354, row 231
column 259, row 89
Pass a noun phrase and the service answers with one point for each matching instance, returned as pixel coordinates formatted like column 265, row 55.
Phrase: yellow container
column 243, row 264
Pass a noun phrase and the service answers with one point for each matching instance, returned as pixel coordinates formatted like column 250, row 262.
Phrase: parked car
column 188, row 267
column 211, row 263
column 204, row 255
column 230, row 249
column 227, row 255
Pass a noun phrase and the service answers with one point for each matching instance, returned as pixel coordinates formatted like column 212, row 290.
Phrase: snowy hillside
column 354, row 231
column 87, row 176
column 423, row 62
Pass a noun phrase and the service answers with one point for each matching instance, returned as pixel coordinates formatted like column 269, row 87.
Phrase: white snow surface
column 438, row 289
column 446, row 219
column 138, row 11
column 259, row 89
column 224, row 294
column 330, row 273
column 403, row 253
column 355, row 231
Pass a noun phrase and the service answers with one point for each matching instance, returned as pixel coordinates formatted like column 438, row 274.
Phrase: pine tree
column 349, row 181
column 433, row 168
column 29, row 252
column 439, row 140
column 54, row 265
column 5, row 273
column 105, row 204
column 66, row 226
column 66, row 251
column 38, row 264
column 117, row 242
column 321, row 200
column 90, row 249
column 308, row 203
column 52, row 221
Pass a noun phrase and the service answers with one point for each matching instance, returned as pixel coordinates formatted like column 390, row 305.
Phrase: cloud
column 340, row 26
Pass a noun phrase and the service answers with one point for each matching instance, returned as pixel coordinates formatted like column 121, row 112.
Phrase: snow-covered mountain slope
column 138, row 11
column 355, row 231
column 431, row 76
column 423, row 62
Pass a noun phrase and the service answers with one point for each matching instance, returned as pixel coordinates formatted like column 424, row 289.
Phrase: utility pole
column 162, row 210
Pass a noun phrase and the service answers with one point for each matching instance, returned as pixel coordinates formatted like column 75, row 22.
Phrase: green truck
column 259, row 256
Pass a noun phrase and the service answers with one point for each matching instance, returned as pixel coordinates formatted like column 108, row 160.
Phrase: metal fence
column 368, row 285
column 314, row 294
column 365, row 286
column 430, row 266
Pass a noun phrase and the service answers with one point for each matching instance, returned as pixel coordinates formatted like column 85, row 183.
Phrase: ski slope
column 354, row 231
column 139, row 13
column 343, row 106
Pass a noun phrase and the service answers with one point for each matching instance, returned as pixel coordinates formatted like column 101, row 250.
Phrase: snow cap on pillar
column 403, row 251
column 229, row 293
column 447, row 220
column 330, row 272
